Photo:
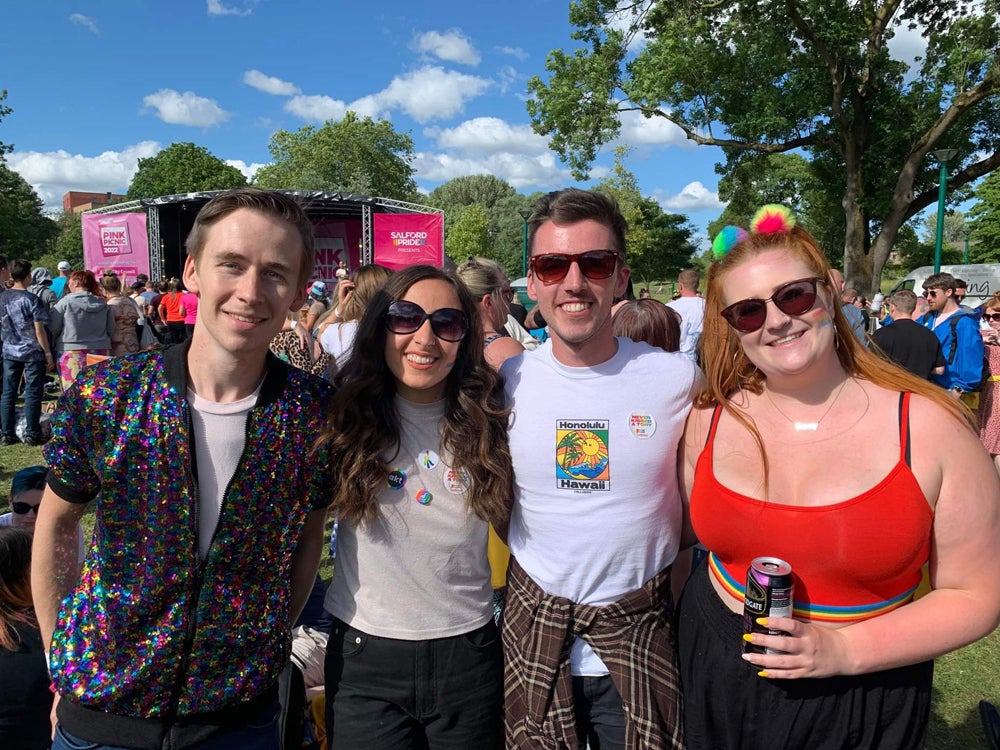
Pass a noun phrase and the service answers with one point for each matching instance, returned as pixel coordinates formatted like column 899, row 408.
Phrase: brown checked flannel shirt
column 633, row 638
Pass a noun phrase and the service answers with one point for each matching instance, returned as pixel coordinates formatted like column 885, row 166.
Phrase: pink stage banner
column 335, row 241
column 403, row 240
column 118, row 242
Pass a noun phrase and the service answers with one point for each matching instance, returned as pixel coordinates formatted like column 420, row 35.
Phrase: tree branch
column 693, row 135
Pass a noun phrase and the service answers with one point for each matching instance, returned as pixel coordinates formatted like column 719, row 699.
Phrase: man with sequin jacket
column 210, row 506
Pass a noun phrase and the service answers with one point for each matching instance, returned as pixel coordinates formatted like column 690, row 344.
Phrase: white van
column 982, row 280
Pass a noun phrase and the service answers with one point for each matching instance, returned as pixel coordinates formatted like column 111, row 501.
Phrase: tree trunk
column 857, row 264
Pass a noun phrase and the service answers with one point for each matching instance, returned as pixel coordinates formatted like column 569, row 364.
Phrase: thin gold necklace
column 807, row 426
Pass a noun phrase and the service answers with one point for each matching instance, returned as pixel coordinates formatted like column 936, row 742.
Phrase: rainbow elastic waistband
column 812, row 610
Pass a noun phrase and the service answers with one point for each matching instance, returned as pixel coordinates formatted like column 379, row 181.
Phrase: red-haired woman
column 778, row 462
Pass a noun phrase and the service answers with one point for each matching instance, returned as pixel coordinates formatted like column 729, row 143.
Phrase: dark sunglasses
column 24, row 508
column 447, row 323
column 991, row 317
column 794, row 298
column 594, row 264
column 933, row 292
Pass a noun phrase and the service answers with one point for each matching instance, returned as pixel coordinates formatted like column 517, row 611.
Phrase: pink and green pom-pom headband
column 770, row 219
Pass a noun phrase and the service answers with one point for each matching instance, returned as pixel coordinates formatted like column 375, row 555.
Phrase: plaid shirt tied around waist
column 632, row 636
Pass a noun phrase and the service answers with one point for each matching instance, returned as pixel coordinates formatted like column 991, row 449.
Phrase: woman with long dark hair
column 25, row 700
column 418, row 427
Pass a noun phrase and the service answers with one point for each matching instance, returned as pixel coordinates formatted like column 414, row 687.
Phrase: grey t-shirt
column 420, row 571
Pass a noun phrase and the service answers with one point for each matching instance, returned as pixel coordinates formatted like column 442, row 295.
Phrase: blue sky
column 96, row 86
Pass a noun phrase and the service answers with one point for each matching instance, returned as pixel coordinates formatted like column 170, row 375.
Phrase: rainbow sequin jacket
column 149, row 631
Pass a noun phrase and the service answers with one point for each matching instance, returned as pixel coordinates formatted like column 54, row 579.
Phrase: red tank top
column 851, row 560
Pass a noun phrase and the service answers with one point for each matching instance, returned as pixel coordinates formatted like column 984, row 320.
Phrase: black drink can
column 768, row 594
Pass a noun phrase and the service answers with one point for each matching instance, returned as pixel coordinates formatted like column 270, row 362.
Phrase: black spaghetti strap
column 904, row 428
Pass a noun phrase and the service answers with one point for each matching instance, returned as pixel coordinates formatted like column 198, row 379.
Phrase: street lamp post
column 525, row 214
column 942, row 156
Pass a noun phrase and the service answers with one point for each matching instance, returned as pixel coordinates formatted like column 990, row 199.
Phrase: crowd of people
column 511, row 528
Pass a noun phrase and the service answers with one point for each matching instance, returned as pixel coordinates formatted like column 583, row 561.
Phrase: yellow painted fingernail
column 748, row 637
column 762, row 621
column 763, row 673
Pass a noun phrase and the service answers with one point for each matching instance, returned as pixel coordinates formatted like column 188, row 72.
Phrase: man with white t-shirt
column 596, row 519
column 691, row 307
column 176, row 631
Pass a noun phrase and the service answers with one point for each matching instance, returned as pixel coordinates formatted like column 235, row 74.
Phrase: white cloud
column 368, row 106
column 507, row 76
column 486, row 135
column 316, row 108
column 53, row 173
column 638, row 130
column 693, row 197
column 431, row 93
column 81, row 20
column 216, row 8
column 523, row 172
column 186, row 109
column 452, row 46
column 248, row 170
column 517, row 52
column 269, row 84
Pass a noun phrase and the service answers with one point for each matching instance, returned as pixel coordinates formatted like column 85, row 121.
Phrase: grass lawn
column 961, row 679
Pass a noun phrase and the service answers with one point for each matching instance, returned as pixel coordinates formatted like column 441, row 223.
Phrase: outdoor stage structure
column 147, row 236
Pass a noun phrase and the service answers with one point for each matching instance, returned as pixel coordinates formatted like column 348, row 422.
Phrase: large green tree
column 352, row 155
column 503, row 238
column 984, row 222
column 69, row 244
column 469, row 234
column 772, row 76
column 183, row 168
column 25, row 232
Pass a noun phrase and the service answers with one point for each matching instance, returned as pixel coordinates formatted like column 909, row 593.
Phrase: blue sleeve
column 967, row 367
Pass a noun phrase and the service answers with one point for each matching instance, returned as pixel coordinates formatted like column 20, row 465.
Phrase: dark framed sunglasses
column 448, row 323
column 991, row 317
column 794, row 298
column 594, row 264
column 24, row 508
column 932, row 293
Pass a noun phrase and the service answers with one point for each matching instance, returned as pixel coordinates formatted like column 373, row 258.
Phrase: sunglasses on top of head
column 448, row 323
column 24, row 508
column 594, row 264
column 794, row 298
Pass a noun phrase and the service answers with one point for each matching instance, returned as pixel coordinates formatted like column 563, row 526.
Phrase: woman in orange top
column 172, row 312
column 778, row 461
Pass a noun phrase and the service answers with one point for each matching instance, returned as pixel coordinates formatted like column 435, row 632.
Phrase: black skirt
column 727, row 706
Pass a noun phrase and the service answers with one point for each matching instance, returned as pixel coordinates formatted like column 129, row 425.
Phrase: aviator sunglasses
column 793, row 298
column 594, row 264
column 24, row 508
column 447, row 323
